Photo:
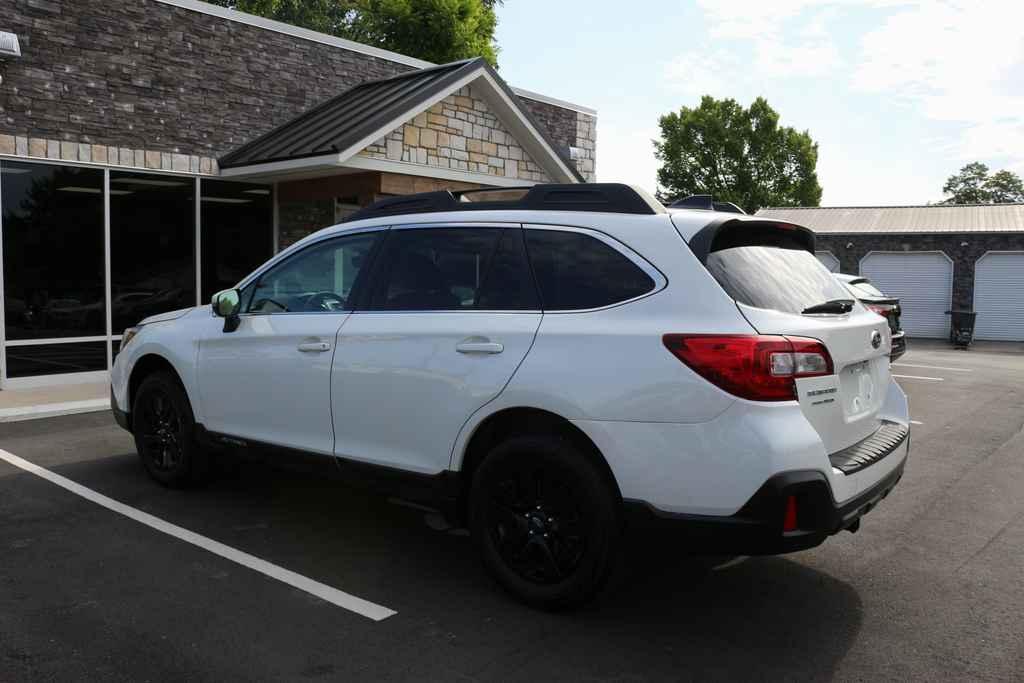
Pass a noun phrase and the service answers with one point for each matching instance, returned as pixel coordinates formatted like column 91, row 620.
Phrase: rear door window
column 453, row 269
column 576, row 271
column 788, row 280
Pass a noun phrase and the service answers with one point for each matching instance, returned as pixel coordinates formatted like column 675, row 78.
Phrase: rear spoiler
column 725, row 233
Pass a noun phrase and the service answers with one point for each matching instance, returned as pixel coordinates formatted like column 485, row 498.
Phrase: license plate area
column 860, row 391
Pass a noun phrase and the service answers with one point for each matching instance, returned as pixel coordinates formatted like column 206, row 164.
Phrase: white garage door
column 828, row 260
column 999, row 296
column 923, row 281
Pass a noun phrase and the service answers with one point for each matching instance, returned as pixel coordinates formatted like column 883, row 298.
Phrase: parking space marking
column 930, row 379
column 916, row 422
column 324, row 592
column 931, row 367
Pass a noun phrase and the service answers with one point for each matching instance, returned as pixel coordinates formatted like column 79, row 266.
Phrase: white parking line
column 916, row 422
column 931, row 379
column 324, row 592
column 931, row 367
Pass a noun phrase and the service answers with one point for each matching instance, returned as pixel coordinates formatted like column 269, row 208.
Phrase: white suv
column 548, row 367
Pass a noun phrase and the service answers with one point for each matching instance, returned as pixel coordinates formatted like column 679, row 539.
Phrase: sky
column 898, row 94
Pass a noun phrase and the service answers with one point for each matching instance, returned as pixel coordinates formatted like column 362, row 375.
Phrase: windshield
column 787, row 280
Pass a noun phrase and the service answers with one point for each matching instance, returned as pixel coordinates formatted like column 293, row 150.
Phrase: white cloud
column 956, row 61
column 956, row 66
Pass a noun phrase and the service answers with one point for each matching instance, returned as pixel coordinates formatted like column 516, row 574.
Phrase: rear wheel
column 164, row 431
column 546, row 521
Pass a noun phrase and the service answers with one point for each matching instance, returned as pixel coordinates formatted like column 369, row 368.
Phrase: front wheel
column 546, row 520
column 164, row 431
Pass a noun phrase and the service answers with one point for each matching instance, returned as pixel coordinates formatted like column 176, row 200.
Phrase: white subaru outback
column 550, row 367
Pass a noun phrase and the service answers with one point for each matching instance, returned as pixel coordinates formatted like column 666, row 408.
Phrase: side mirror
column 226, row 304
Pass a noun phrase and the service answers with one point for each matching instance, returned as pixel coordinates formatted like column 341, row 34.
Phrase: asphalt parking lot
column 928, row 589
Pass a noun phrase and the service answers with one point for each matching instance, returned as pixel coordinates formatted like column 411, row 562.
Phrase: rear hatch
column 782, row 289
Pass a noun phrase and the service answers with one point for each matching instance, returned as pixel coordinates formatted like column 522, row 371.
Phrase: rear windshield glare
column 788, row 280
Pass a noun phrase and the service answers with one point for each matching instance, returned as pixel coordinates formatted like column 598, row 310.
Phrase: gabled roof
column 347, row 123
column 930, row 218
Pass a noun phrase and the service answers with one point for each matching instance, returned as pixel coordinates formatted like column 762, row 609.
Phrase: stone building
column 935, row 258
column 153, row 152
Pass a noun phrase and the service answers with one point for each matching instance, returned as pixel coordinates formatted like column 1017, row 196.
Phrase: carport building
column 934, row 258
column 153, row 152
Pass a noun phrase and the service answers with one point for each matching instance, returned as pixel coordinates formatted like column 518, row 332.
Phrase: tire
column 546, row 521
column 164, row 431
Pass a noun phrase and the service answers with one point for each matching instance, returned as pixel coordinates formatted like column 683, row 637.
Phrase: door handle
column 479, row 347
column 314, row 347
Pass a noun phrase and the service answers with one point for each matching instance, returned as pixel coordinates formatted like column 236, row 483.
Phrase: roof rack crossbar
column 602, row 197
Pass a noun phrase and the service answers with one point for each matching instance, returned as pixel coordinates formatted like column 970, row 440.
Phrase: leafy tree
column 1005, row 186
column 737, row 155
column 434, row 30
column 968, row 186
column 973, row 184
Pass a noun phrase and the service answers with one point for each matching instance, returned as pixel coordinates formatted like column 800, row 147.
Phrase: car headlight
column 128, row 335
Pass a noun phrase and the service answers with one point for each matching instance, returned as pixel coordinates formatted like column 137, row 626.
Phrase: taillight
column 759, row 368
column 882, row 310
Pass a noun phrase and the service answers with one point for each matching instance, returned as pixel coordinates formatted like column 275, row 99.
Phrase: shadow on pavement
column 666, row 615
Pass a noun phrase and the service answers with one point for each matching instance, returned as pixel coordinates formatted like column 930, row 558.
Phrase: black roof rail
column 604, row 197
column 706, row 202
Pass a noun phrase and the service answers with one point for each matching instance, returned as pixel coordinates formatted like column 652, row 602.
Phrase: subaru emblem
column 876, row 339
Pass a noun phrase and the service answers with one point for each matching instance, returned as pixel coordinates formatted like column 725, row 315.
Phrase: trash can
column 961, row 328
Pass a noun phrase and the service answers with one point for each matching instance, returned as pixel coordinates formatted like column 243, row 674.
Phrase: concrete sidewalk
column 40, row 402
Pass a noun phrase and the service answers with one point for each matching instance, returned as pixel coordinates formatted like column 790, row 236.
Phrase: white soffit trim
column 406, row 168
column 334, row 41
column 282, row 167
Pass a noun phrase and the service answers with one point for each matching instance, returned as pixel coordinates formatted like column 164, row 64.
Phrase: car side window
column 320, row 278
column 453, row 269
column 576, row 271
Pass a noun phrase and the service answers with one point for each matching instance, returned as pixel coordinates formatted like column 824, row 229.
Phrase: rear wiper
column 833, row 306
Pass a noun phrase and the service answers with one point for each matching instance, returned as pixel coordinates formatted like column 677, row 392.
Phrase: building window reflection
column 53, row 251
column 152, row 246
column 237, row 232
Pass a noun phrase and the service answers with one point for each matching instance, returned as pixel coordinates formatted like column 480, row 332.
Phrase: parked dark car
column 886, row 306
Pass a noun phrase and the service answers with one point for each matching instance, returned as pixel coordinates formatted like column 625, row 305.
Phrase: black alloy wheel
column 164, row 430
column 160, row 431
column 537, row 524
column 546, row 519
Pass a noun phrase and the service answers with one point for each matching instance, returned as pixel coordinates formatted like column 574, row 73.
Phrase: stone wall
column 459, row 133
column 148, row 77
column 963, row 248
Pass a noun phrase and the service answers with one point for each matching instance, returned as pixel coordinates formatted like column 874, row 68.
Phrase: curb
column 45, row 410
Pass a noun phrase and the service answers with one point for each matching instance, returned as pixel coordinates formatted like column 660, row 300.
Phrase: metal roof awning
column 331, row 134
column 931, row 218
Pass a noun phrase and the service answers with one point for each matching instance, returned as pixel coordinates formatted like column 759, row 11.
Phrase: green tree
column 736, row 155
column 968, row 185
column 435, row 30
column 973, row 184
column 1005, row 186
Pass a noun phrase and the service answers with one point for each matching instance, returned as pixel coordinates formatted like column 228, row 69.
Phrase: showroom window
column 237, row 232
column 53, row 268
column 55, row 272
column 152, row 246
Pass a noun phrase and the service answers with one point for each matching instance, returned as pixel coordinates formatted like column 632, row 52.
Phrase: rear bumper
column 757, row 529
column 899, row 346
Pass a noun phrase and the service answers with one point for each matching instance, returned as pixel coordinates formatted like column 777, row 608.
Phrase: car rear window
column 576, row 271
column 788, row 280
